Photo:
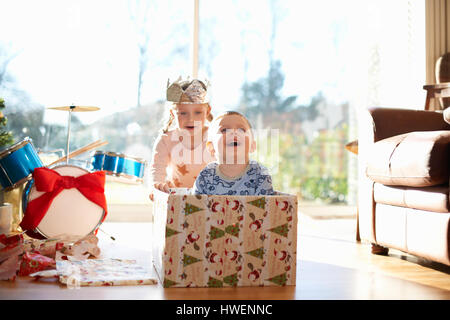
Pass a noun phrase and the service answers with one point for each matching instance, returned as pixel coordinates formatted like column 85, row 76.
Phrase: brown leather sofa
column 404, row 166
column 447, row 115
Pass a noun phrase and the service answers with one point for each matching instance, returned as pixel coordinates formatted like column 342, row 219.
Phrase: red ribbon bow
column 91, row 185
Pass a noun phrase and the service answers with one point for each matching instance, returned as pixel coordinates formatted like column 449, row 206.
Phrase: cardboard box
column 225, row 241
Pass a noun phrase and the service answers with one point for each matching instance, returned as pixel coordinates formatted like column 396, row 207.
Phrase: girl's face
column 191, row 117
column 232, row 139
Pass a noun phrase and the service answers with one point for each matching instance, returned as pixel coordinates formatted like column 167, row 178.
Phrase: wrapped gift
column 14, row 197
column 225, row 241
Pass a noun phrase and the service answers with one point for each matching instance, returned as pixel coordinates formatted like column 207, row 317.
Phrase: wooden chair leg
column 358, row 237
column 428, row 100
column 379, row 250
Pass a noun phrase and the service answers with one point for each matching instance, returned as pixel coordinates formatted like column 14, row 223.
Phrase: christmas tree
column 6, row 137
column 280, row 279
column 190, row 209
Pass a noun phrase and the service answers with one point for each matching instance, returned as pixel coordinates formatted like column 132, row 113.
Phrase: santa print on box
column 219, row 241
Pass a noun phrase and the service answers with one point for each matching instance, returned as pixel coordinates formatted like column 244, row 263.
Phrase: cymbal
column 75, row 108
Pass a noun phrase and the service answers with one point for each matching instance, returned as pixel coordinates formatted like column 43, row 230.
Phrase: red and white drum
column 70, row 213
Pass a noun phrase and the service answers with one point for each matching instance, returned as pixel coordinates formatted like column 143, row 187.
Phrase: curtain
column 437, row 34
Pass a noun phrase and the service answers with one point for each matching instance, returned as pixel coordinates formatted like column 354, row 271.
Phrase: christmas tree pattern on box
column 228, row 241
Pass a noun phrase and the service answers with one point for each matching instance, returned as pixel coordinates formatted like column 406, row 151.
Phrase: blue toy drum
column 125, row 168
column 17, row 163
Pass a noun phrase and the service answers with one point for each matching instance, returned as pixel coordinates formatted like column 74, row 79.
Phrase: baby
column 230, row 139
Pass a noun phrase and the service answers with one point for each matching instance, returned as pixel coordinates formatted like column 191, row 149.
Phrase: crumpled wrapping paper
column 34, row 257
column 69, row 261
column 81, row 250
column 34, row 262
column 47, row 248
column 11, row 248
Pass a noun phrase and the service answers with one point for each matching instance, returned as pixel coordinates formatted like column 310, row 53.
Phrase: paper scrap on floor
column 102, row 272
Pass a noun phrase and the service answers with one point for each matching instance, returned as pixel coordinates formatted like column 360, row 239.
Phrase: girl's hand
column 155, row 186
column 167, row 186
column 163, row 186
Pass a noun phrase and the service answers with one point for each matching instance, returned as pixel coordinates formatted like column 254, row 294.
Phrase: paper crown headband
column 187, row 91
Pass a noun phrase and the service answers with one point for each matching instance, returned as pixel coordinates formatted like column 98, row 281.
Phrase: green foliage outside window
column 315, row 168
column 315, row 171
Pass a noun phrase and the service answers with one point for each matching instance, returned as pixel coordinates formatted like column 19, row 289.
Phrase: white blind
column 437, row 34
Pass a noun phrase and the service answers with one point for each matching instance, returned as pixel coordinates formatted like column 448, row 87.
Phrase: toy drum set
column 70, row 212
column 17, row 163
column 121, row 167
column 63, row 199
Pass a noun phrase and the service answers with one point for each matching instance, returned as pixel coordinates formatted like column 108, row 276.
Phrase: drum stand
column 76, row 109
column 71, row 108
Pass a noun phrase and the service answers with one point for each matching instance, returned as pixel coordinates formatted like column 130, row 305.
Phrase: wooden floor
column 331, row 265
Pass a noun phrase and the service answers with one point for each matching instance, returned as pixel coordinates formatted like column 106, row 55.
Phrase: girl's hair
column 170, row 118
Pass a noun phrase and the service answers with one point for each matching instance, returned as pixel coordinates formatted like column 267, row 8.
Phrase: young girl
column 180, row 153
column 231, row 140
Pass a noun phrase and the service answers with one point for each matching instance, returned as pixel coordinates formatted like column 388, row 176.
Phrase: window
column 116, row 55
column 305, row 68
column 300, row 68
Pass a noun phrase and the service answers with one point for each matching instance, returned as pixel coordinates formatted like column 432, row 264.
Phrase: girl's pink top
column 175, row 161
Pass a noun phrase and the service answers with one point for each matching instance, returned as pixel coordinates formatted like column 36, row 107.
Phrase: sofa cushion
column 447, row 115
column 415, row 159
column 435, row 198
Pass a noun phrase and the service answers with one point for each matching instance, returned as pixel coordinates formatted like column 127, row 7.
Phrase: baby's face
column 232, row 140
column 191, row 117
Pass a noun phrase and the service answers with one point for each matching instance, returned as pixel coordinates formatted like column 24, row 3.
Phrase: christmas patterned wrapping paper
column 225, row 241
column 102, row 272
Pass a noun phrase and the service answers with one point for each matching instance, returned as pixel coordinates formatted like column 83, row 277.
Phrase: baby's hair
column 171, row 118
column 228, row 113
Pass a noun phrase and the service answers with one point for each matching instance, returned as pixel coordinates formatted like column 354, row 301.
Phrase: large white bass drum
column 70, row 213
